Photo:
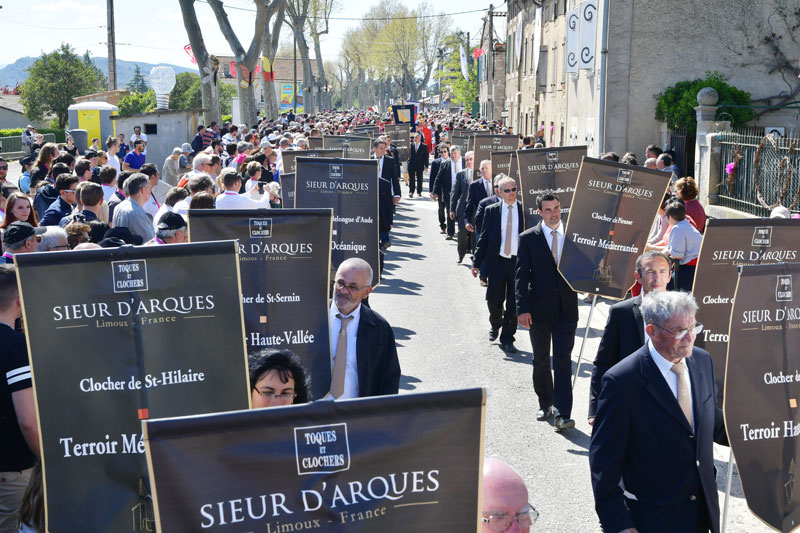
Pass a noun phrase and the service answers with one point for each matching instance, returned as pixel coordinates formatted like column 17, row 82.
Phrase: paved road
column 440, row 319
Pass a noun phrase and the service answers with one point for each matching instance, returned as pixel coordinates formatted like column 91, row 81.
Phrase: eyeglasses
column 351, row 288
column 502, row 522
column 61, row 247
column 512, row 189
column 69, row 190
column 3, row 167
column 681, row 333
column 272, row 395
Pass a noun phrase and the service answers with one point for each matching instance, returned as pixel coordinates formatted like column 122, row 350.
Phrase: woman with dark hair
column 277, row 377
column 31, row 510
column 18, row 207
column 202, row 200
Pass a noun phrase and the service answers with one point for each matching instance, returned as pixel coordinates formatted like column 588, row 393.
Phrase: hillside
column 15, row 72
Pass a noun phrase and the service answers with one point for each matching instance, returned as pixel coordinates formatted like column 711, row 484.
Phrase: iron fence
column 741, row 192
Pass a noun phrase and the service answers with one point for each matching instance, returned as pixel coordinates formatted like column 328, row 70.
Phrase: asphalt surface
column 439, row 316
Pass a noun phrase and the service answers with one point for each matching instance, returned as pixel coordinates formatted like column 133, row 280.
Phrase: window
column 525, row 57
column 555, row 9
column 542, row 73
column 151, row 129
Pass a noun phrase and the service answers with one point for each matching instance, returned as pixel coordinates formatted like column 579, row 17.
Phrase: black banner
column 289, row 157
column 284, row 261
column 350, row 187
column 465, row 143
column 762, row 390
column 367, row 130
column 612, row 210
column 401, row 138
column 486, row 143
column 405, row 114
column 728, row 244
column 287, row 190
column 548, row 168
column 115, row 336
column 391, row 464
column 315, row 143
column 352, row 146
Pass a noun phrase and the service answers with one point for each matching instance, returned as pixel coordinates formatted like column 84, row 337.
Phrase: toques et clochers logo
column 624, row 176
column 260, row 228
column 762, row 236
column 552, row 157
column 129, row 276
column 322, row 449
column 335, row 171
column 783, row 289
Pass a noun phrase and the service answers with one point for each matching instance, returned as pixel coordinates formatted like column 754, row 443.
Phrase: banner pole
column 583, row 342
column 727, row 492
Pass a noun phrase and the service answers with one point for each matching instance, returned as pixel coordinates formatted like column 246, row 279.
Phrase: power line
column 366, row 18
column 51, row 28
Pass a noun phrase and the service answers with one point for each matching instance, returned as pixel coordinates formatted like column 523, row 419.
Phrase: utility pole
column 112, row 48
column 294, row 88
column 441, row 58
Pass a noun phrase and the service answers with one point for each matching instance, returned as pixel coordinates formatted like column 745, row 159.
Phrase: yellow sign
column 89, row 120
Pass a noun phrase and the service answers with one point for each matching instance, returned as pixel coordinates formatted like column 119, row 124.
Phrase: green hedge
column 16, row 132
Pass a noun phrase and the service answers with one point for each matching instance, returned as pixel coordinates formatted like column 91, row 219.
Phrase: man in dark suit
column 480, row 189
column 445, row 181
column 444, row 155
column 387, row 176
column 549, row 307
column 458, row 203
column 482, row 205
column 364, row 355
column 657, row 420
column 624, row 333
column 497, row 247
column 417, row 163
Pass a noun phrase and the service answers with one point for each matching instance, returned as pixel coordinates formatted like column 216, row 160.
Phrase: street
column 439, row 316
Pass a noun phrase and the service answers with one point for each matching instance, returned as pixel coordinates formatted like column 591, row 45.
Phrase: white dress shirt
column 549, row 237
column 108, row 192
column 234, row 200
column 455, row 168
column 514, row 229
column 671, row 378
column 161, row 210
column 351, row 368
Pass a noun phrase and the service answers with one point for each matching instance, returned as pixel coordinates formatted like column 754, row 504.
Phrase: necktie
column 340, row 364
column 684, row 396
column 486, row 183
column 554, row 246
column 507, row 244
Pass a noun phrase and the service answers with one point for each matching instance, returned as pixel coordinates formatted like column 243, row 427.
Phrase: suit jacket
column 418, row 159
column 541, row 290
column 385, row 193
column 443, row 182
column 435, row 165
column 477, row 192
column 481, row 211
column 395, row 153
column 641, row 437
column 458, row 200
column 376, row 355
column 489, row 240
column 624, row 334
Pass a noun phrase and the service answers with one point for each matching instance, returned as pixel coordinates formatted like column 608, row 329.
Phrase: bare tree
column 270, row 51
column 207, row 65
column 246, row 61
column 298, row 11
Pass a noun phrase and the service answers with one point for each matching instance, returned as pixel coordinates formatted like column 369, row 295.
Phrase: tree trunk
column 322, row 79
column 205, row 66
column 246, row 60
column 309, row 92
column 271, row 107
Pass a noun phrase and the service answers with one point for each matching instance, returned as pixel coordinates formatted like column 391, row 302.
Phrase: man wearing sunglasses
column 497, row 251
column 657, row 420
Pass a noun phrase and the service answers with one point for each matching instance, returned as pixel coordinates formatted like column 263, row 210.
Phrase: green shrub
column 227, row 118
column 16, row 132
column 676, row 104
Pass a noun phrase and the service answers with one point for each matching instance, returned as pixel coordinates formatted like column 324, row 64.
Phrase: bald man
column 505, row 499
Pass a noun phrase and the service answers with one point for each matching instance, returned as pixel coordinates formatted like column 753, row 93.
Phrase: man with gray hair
column 364, row 358
column 130, row 213
column 53, row 240
column 444, row 185
column 651, row 454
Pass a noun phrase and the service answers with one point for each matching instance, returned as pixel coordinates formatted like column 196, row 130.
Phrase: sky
column 152, row 31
